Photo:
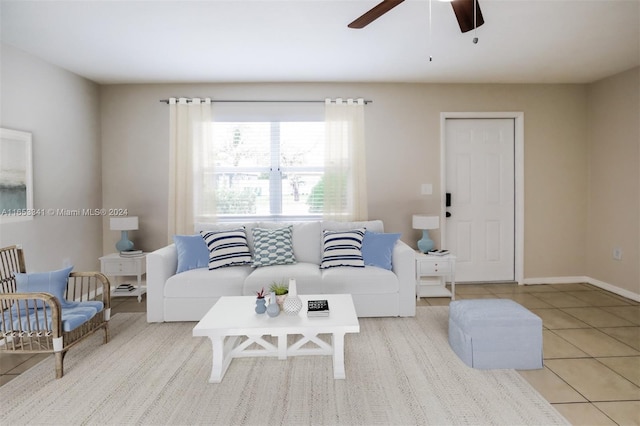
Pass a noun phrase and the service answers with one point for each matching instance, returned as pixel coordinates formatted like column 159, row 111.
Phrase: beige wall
column 60, row 109
column 614, row 180
column 403, row 140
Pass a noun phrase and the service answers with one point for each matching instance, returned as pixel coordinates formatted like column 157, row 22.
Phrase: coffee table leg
column 217, row 364
column 337, row 340
column 282, row 346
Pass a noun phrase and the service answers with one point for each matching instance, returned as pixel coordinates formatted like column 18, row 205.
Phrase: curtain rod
column 166, row 101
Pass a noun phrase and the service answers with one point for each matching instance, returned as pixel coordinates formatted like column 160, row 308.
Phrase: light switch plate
column 617, row 253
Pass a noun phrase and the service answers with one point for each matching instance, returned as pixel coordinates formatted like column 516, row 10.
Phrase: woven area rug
column 399, row 371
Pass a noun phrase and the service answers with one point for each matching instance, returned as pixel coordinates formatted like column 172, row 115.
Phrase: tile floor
column 591, row 368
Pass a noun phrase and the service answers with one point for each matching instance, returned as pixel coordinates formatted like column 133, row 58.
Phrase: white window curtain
column 345, row 181
column 190, row 130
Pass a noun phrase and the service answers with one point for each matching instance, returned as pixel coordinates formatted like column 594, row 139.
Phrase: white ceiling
column 147, row 41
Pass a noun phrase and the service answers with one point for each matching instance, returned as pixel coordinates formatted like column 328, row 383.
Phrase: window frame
column 275, row 170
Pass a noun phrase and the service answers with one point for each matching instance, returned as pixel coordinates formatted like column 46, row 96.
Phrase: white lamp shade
column 128, row 223
column 425, row 222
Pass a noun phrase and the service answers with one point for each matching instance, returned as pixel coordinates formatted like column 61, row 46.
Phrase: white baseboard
column 613, row 289
column 570, row 280
column 555, row 280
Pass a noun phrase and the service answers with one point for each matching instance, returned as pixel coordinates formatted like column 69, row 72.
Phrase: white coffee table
column 233, row 326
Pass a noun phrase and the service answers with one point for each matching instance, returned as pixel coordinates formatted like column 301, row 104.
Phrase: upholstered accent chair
column 49, row 312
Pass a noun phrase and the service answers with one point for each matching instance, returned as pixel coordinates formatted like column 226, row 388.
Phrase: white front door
column 480, row 174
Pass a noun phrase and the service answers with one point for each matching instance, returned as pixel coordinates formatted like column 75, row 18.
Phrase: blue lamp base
column 425, row 244
column 124, row 244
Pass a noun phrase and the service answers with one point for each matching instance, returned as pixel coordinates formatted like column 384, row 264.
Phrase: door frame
column 518, row 118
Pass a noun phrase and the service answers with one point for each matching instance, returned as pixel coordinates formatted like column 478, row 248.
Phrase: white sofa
column 376, row 291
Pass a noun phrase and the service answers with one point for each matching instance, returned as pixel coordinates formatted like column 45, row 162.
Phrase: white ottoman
column 495, row 333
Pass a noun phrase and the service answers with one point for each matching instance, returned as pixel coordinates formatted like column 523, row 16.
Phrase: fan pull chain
column 475, row 22
column 430, row 34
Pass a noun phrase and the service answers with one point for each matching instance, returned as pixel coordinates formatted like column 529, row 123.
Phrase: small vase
column 273, row 309
column 292, row 304
column 261, row 305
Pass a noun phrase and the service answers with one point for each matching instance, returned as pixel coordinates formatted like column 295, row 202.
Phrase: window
column 264, row 169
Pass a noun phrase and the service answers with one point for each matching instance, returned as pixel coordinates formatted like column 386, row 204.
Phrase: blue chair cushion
column 73, row 316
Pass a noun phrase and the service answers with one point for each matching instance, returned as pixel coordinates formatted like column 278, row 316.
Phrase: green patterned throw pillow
column 273, row 247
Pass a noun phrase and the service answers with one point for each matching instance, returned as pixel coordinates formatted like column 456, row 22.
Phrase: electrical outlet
column 617, row 253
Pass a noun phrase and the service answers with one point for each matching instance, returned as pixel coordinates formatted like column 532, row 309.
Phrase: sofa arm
column 404, row 266
column 161, row 265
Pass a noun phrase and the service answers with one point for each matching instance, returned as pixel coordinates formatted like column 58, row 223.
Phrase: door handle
column 448, row 203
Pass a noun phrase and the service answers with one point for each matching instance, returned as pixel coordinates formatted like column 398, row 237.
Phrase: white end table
column 237, row 331
column 441, row 267
column 117, row 266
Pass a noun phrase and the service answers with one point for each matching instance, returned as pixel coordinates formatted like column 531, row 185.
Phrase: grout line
column 594, row 406
column 618, row 374
column 567, row 383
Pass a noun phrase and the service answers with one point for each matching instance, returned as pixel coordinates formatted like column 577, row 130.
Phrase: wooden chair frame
column 45, row 334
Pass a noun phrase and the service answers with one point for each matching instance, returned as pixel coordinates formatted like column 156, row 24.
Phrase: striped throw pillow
column 342, row 248
column 227, row 248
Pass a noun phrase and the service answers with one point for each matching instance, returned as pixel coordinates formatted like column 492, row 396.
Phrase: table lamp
column 425, row 223
column 124, row 224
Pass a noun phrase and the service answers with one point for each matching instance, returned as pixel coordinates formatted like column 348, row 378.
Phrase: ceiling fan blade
column 464, row 13
column 373, row 14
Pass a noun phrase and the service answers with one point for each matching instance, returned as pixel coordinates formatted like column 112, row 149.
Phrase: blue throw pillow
column 377, row 249
column 54, row 282
column 192, row 252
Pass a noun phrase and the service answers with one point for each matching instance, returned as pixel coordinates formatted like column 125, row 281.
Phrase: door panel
column 480, row 176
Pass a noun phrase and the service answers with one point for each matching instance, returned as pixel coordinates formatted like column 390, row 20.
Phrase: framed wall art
column 16, row 176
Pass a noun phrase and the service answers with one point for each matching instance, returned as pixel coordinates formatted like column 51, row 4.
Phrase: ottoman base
column 495, row 333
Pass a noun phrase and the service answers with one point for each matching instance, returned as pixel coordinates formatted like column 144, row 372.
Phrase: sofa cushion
column 192, row 252
column 207, row 283
column 377, row 248
column 371, row 225
column 342, row 248
column 227, row 248
column 307, row 239
column 54, row 282
column 272, row 246
column 367, row 280
column 307, row 276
